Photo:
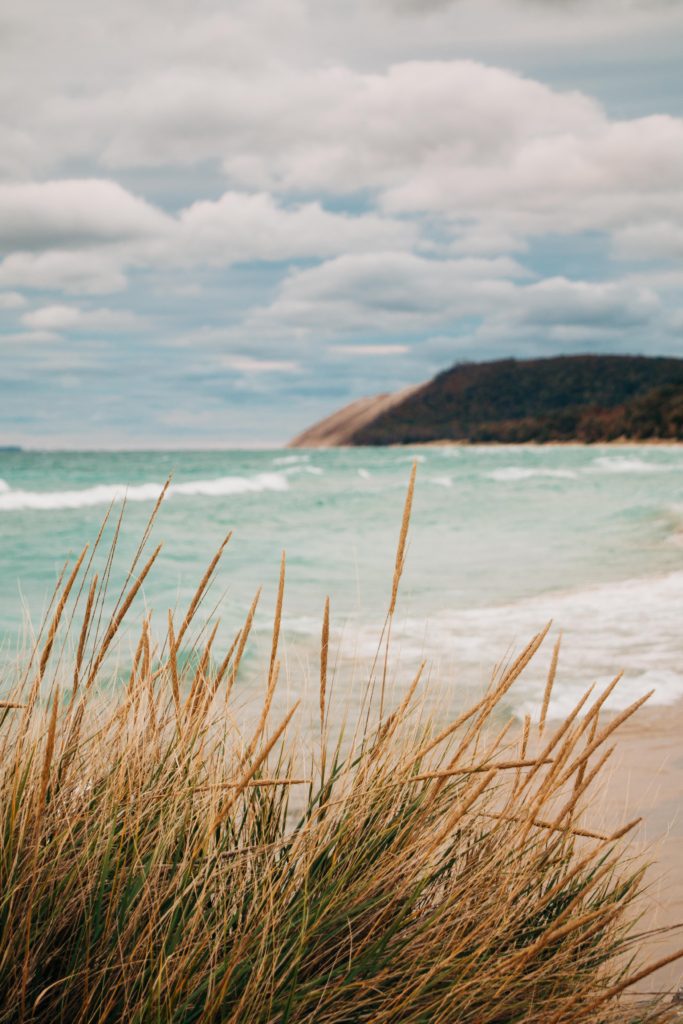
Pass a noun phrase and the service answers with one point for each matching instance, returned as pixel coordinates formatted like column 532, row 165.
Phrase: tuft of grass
column 153, row 868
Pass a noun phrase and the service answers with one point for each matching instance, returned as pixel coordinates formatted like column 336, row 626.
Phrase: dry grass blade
column 173, row 665
column 603, row 735
column 49, row 748
column 278, row 614
column 265, row 711
column 82, row 639
column 243, row 637
column 260, row 783
column 447, row 773
column 551, row 826
column 552, row 672
column 324, row 649
column 253, row 768
column 199, row 682
column 459, row 811
column 403, row 536
column 115, row 623
column 631, row 980
column 481, row 711
column 54, row 625
column 201, row 589
column 397, row 716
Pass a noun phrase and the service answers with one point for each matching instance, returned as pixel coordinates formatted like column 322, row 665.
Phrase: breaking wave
column 629, row 464
column 631, row 625
column 513, row 473
column 104, row 494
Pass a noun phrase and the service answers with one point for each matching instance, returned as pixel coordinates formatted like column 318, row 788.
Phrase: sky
column 220, row 221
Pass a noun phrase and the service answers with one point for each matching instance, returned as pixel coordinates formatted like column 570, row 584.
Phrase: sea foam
column 631, row 625
column 510, row 474
column 105, row 494
column 628, row 464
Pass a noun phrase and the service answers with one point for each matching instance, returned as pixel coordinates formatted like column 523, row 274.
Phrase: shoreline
column 619, row 442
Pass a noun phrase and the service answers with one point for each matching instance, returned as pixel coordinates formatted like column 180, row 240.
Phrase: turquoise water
column 502, row 539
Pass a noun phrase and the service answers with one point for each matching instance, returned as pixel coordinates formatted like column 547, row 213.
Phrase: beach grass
column 162, row 860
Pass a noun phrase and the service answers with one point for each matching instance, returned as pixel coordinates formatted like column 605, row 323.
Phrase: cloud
column 422, row 6
column 236, row 228
column 482, row 307
column 656, row 240
column 11, row 300
column 71, row 214
column 388, row 291
column 72, row 318
column 241, row 227
column 499, row 156
column 75, row 272
column 565, row 315
column 370, row 351
column 28, row 337
column 594, row 304
column 246, row 364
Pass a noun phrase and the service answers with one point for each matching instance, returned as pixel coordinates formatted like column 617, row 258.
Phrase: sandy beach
column 646, row 779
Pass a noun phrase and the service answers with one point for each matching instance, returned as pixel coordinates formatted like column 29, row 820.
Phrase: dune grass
column 153, row 868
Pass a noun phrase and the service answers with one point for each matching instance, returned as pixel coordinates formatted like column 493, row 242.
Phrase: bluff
column 585, row 398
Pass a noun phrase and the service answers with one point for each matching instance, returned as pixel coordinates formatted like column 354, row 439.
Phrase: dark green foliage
column 568, row 398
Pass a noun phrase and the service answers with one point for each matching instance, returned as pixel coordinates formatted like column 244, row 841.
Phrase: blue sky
column 219, row 222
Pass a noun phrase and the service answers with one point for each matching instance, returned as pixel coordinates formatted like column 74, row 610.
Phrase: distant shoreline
column 619, row 442
column 578, row 398
column 616, row 443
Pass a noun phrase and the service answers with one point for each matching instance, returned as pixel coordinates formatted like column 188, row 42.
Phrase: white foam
column 509, row 474
column 4, row 487
column 364, row 474
column 105, row 494
column 441, row 481
column 634, row 625
column 290, row 460
column 628, row 464
column 312, row 470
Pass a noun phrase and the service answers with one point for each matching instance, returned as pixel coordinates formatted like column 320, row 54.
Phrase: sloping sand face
column 339, row 428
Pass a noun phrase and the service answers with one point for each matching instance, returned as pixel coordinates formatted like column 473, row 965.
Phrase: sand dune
column 339, row 428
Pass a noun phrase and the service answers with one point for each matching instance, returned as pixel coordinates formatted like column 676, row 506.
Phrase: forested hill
column 567, row 398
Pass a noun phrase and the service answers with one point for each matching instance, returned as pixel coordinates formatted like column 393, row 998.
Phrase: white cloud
column 68, row 318
column 241, row 227
column 372, row 351
column 76, row 272
column 659, row 239
column 11, row 300
column 502, row 157
column 562, row 314
column 28, row 337
column 388, row 291
column 248, row 365
column 176, row 84
column 238, row 227
column 383, row 295
column 558, row 300
column 73, row 213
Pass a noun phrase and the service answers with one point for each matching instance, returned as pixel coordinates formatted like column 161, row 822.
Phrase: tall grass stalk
column 152, row 867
